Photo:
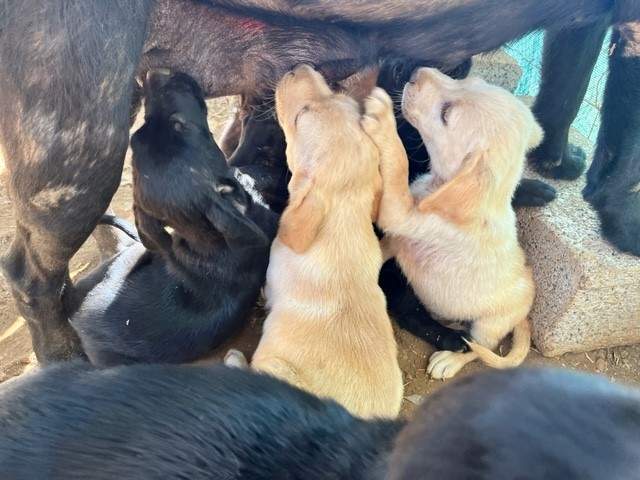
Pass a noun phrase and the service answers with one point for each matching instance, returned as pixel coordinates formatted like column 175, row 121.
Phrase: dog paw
column 569, row 166
column 445, row 364
column 235, row 358
column 619, row 211
column 378, row 113
column 533, row 193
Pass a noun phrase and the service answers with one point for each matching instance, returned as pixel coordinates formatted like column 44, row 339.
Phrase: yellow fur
column 454, row 232
column 328, row 330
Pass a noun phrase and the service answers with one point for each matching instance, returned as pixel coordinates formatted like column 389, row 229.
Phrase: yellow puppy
column 328, row 330
column 454, row 232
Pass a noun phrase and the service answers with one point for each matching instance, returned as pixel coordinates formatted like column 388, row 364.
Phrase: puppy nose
column 157, row 77
column 302, row 68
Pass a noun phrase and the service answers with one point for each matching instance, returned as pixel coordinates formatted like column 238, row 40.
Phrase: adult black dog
column 67, row 87
column 188, row 422
column 613, row 180
column 190, row 288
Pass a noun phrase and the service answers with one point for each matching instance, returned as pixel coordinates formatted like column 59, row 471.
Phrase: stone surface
column 498, row 68
column 588, row 293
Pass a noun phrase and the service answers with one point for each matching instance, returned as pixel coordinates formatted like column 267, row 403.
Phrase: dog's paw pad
column 445, row 364
column 235, row 358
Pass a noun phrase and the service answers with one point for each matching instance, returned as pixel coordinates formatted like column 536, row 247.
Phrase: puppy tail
column 121, row 224
column 519, row 349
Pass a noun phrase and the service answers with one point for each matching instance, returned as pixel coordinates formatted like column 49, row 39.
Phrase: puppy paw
column 378, row 115
column 235, row 358
column 533, row 193
column 445, row 364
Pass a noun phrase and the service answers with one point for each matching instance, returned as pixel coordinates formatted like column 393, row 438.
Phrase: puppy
column 206, row 243
column 70, row 421
column 328, row 330
column 454, row 233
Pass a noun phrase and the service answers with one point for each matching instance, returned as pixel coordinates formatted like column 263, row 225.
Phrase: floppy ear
column 152, row 233
column 227, row 214
column 302, row 219
column 458, row 199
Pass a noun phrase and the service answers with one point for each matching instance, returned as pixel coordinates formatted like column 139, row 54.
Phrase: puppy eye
column 302, row 110
column 444, row 113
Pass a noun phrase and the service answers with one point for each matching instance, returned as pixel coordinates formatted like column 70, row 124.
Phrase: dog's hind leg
column 65, row 93
column 613, row 180
column 568, row 59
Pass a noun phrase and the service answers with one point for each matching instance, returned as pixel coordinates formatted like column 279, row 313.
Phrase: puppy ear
column 301, row 221
column 458, row 199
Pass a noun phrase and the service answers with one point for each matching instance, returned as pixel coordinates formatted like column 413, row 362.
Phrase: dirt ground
column 621, row 364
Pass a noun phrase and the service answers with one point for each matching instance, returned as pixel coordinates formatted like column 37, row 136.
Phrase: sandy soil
column 621, row 364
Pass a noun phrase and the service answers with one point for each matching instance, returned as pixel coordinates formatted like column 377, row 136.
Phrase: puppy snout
column 230, row 191
column 303, row 69
column 157, row 78
column 426, row 75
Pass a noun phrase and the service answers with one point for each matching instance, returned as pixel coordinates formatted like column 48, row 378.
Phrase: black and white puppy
column 70, row 421
column 205, row 243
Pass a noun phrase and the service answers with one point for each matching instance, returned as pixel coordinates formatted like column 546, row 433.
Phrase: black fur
column 614, row 175
column 523, row 424
column 67, row 88
column 186, row 422
column 179, row 422
column 192, row 288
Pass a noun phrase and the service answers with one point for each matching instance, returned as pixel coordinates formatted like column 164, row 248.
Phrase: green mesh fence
column 528, row 53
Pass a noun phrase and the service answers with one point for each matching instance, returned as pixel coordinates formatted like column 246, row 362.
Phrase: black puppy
column 188, row 422
column 207, row 243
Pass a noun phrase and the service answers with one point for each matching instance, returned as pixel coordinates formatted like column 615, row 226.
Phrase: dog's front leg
column 396, row 203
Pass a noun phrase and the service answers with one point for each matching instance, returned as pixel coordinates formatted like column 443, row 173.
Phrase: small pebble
column 415, row 399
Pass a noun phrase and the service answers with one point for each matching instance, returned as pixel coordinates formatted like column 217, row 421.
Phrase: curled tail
column 519, row 349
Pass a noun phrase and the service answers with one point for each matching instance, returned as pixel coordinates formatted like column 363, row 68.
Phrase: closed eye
column 302, row 110
column 444, row 113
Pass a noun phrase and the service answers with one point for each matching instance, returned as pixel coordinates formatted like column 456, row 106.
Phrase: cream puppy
column 454, row 232
column 328, row 330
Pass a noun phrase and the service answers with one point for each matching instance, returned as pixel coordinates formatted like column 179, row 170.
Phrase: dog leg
column 569, row 57
column 64, row 129
column 379, row 122
column 613, row 180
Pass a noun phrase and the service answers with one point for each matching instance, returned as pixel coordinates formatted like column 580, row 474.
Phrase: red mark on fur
column 252, row 25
